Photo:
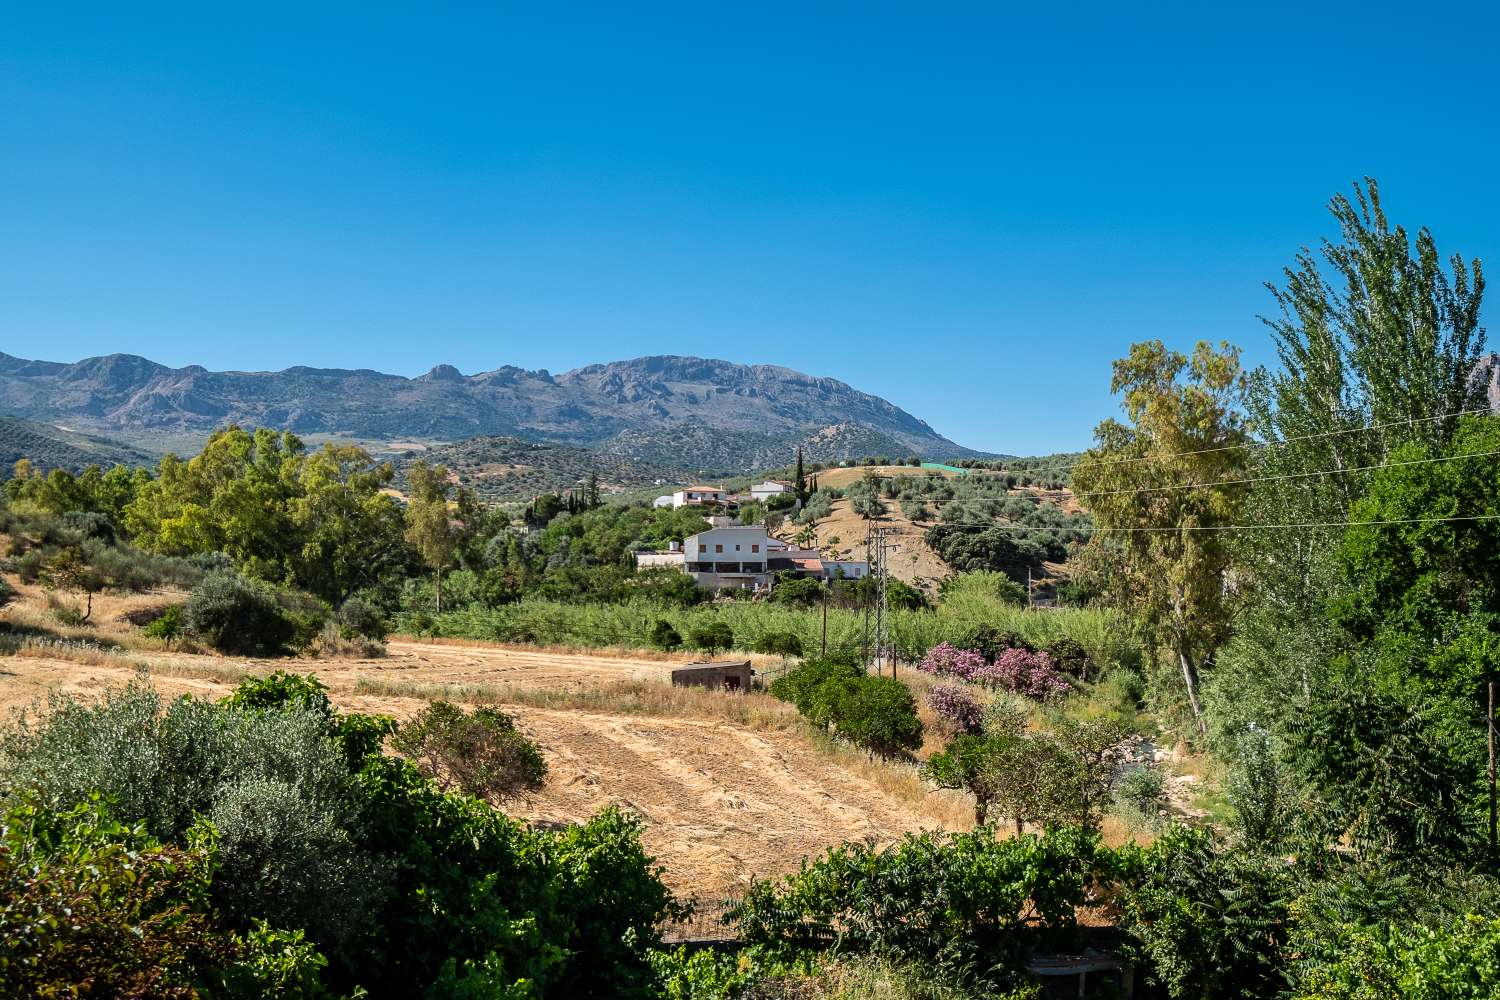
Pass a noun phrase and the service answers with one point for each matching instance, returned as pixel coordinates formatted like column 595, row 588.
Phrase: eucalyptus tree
column 1162, row 488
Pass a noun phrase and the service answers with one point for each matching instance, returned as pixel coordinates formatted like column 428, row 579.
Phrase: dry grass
column 754, row 711
column 902, row 781
column 74, row 651
column 554, row 649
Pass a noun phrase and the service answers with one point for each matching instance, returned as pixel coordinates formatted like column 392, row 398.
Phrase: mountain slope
column 674, row 397
column 51, row 447
column 505, row 469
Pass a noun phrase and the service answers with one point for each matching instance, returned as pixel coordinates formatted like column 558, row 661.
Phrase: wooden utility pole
column 1490, row 735
column 825, row 621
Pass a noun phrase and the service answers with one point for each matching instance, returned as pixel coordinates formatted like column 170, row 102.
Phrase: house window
column 718, row 548
column 755, row 548
column 736, row 548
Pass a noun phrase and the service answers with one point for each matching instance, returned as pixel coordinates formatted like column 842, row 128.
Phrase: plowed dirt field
column 730, row 786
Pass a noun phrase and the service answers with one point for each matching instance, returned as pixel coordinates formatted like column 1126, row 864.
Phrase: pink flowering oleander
column 947, row 660
column 1022, row 671
column 957, row 707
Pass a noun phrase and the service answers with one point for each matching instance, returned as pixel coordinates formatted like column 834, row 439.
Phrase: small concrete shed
column 731, row 675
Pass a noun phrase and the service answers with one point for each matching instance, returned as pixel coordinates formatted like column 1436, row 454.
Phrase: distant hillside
column 690, row 412
column 51, row 447
column 709, row 451
column 503, row 470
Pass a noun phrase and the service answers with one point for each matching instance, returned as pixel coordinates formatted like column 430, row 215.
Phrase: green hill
column 51, row 447
column 507, row 469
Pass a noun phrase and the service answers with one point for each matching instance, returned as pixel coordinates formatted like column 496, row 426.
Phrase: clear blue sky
column 966, row 211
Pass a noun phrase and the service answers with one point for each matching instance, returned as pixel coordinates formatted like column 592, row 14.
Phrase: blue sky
column 967, row 210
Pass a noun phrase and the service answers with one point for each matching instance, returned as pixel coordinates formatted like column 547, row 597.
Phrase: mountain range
column 684, row 412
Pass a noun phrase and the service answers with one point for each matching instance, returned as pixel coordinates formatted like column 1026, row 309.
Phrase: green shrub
column 1212, row 923
column 237, row 617
column 798, row 686
column 700, row 975
column 1457, row 961
column 481, row 753
column 877, row 713
column 167, row 625
column 282, row 689
column 1143, row 791
column 273, row 782
column 972, row 901
column 357, row 618
column 7, row 592
column 97, row 908
column 797, row 591
column 713, row 637
column 1070, row 656
column 664, row 636
column 779, row 644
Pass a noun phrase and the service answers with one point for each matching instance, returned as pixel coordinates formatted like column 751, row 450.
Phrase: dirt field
column 730, row 786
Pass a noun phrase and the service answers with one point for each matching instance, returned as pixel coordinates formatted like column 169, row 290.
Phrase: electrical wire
column 1232, row 447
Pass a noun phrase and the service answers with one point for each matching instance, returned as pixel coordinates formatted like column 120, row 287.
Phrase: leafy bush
column 1457, row 961
column 357, row 618
column 7, row 593
column 167, row 625
column 956, row 706
column 357, row 847
column 971, row 901
column 797, row 591
column 664, row 636
column 1212, row 923
column 700, row 975
column 876, row 713
column 779, row 644
column 237, row 617
column 98, row 908
column 481, row 753
column 1143, row 791
column 799, row 686
column 282, row 689
column 1069, row 656
column 273, row 783
column 880, row 715
column 713, row 637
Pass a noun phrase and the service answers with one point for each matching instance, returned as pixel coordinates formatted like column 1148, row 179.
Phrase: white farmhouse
column 768, row 489
column 728, row 556
column 697, row 496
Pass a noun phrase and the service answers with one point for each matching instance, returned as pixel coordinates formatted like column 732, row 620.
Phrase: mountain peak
column 442, row 373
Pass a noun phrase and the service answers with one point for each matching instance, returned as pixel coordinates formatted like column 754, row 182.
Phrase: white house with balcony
column 735, row 556
column 729, row 556
column 698, row 496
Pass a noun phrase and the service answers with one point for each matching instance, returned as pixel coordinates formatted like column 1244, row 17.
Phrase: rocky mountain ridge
column 632, row 408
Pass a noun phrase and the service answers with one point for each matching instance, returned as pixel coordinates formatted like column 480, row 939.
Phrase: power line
column 1250, row 444
column 1236, row 482
column 1214, row 527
